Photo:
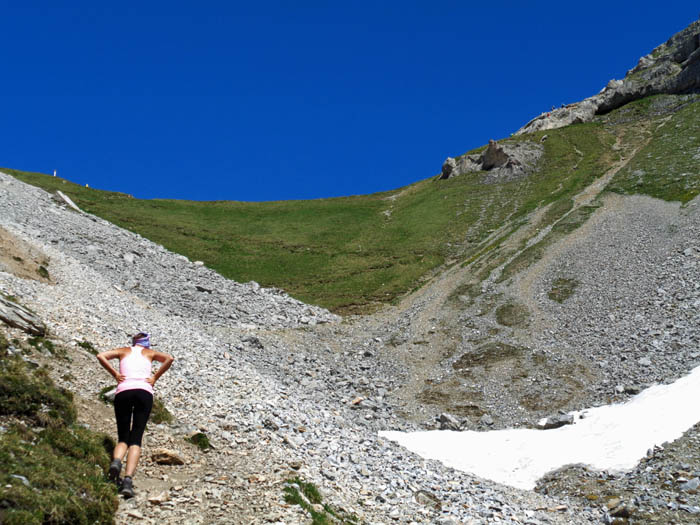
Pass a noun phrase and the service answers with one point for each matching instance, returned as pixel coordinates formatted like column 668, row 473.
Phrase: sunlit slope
column 668, row 166
column 351, row 254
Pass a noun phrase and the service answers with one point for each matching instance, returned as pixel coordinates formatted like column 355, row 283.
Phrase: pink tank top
column 136, row 368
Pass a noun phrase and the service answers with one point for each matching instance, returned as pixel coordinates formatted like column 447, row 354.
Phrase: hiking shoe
column 115, row 468
column 127, row 489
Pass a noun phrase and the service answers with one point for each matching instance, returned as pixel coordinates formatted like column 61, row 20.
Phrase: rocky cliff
column 671, row 68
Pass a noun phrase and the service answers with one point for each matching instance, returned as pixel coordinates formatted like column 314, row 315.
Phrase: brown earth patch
column 22, row 259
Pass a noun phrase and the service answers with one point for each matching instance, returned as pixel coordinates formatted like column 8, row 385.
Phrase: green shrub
column 42, row 343
column 102, row 394
column 201, row 440
column 309, row 497
column 87, row 345
column 43, row 272
column 512, row 315
column 4, row 345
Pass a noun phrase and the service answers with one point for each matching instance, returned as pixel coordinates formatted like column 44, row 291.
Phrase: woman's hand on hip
column 151, row 380
column 120, row 378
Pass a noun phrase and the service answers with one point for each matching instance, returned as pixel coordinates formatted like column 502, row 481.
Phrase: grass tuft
column 512, row 315
column 33, row 396
column 562, row 289
column 159, row 413
column 87, row 345
column 43, row 272
column 201, row 440
column 308, row 497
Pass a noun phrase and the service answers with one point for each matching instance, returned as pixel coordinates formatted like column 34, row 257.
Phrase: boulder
column 164, row 456
column 159, row 499
column 486, row 420
column 62, row 198
column 449, row 168
column 448, row 422
column 19, row 317
column 428, row 499
column 555, row 421
column 691, row 486
column 494, row 156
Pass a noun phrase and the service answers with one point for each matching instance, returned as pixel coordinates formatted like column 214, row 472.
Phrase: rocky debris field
column 608, row 311
column 663, row 488
column 636, row 328
column 265, row 428
column 147, row 270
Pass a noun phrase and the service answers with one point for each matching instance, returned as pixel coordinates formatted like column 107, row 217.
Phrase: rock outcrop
column 15, row 315
column 504, row 161
column 671, row 68
column 62, row 198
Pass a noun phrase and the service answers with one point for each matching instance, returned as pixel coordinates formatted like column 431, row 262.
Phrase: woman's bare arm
column 165, row 359
column 105, row 357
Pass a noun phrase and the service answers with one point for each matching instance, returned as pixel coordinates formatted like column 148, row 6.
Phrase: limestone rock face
column 62, row 198
column 494, row 156
column 19, row 317
column 449, row 168
column 671, row 68
column 504, row 161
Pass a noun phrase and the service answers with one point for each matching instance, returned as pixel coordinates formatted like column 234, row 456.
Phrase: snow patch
column 612, row 437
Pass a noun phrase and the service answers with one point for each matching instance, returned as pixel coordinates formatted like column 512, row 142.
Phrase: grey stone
column 691, row 485
column 65, row 199
column 691, row 509
column 448, row 422
column 556, row 421
column 486, row 420
column 505, row 160
column 23, row 479
column 20, row 317
column 427, row 499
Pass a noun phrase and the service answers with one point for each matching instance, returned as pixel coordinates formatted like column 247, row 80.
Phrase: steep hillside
column 349, row 254
column 279, row 405
column 507, row 289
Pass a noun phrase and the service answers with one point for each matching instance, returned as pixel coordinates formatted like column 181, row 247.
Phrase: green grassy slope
column 348, row 253
column 53, row 470
column 668, row 167
column 353, row 253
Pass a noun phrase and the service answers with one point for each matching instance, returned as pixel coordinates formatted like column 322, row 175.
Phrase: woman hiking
column 132, row 402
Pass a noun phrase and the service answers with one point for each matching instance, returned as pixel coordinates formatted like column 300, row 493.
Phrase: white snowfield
column 612, row 437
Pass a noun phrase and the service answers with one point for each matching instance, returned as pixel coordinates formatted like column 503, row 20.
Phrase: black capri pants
column 132, row 408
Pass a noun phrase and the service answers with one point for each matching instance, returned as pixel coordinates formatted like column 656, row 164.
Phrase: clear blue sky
column 295, row 100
